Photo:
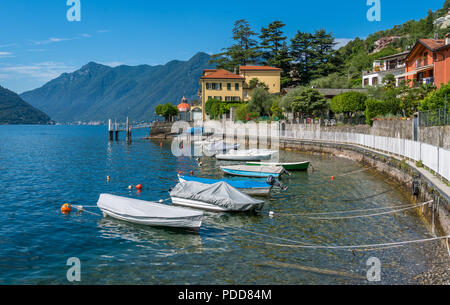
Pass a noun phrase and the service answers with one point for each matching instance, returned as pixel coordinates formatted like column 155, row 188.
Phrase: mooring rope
column 372, row 215
column 369, row 247
column 398, row 209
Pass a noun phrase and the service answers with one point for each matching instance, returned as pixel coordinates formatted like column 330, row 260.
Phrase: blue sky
column 38, row 43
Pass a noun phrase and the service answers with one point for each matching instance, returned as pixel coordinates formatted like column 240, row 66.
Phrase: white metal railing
column 433, row 157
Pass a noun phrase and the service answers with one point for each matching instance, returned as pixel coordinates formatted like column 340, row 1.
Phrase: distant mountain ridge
column 14, row 110
column 97, row 92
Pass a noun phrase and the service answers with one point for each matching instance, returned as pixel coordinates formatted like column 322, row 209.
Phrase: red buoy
column 66, row 208
column 139, row 187
column 192, row 173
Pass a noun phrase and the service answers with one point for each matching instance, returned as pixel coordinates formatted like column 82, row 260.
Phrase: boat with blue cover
column 250, row 187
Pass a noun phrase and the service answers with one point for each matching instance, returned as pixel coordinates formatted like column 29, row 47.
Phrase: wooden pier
column 114, row 129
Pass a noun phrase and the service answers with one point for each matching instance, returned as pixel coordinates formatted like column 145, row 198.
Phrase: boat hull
column 194, row 204
column 191, row 223
column 241, row 173
column 149, row 213
column 302, row 166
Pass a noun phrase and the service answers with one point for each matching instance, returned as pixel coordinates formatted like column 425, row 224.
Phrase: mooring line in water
column 408, row 206
column 378, row 194
column 373, row 215
column 369, row 247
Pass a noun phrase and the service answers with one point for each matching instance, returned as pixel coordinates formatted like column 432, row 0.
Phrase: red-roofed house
column 227, row 86
column 429, row 62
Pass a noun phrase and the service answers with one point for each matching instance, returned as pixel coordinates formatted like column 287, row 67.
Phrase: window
column 232, row 98
column 246, row 94
column 366, row 82
column 229, row 87
column 208, row 86
column 236, row 87
column 218, row 98
column 374, row 81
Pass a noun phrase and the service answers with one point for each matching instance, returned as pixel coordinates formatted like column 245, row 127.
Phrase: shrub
column 349, row 103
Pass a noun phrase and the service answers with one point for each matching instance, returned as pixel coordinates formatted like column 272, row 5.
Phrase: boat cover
column 132, row 208
column 221, row 194
column 239, row 184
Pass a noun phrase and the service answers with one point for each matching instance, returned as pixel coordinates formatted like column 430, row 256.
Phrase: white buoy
column 161, row 201
column 271, row 214
column 130, row 187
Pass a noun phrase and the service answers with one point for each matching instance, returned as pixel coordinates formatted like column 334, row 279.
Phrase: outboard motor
column 274, row 182
column 416, row 187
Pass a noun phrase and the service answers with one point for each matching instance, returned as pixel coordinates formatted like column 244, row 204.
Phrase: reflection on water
column 45, row 166
column 178, row 240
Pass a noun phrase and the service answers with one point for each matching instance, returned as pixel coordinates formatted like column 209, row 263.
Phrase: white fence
column 435, row 158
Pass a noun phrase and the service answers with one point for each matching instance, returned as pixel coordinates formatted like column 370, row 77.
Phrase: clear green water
column 43, row 167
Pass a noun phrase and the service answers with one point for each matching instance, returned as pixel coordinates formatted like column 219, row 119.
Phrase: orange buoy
column 139, row 187
column 192, row 173
column 160, row 144
column 332, row 178
column 66, row 208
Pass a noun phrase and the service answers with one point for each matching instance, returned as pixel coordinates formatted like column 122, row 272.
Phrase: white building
column 393, row 64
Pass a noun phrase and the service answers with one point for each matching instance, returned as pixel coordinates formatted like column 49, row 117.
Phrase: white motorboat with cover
column 217, row 197
column 219, row 147
column 149, row 213
column 247, row 155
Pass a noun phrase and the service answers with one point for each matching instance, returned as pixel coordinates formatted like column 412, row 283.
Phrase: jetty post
column 128, row 131
column 116, row 130
column 110, row 130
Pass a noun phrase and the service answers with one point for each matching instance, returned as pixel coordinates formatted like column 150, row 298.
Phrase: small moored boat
column 246, row 186
column 294, row 166
column 149, row 213
column 254, row 171
column 218, row 197
column 219, row 147
column 247, row 155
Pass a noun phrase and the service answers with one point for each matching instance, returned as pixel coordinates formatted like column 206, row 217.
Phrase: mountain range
column 97, row 92
column 14, row 110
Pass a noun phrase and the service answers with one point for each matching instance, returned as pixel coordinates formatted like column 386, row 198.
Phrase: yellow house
column 226, row 86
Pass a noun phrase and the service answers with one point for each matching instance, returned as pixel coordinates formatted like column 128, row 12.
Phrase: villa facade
column 428, row 62
column 227, row 86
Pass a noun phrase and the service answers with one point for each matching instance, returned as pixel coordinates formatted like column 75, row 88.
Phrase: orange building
column 428, row 62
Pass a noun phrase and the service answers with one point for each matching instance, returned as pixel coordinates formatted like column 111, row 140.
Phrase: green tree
column 242, row 112
column 429, row 22
column 389, row 81
column 287, row 100
column 244, row 51
column 309, row 102
column 349, row 103
column 275, row 51
column 260, row 102
column 438, row 99
column 166, row 110
column 312, row 55
column 276, row 110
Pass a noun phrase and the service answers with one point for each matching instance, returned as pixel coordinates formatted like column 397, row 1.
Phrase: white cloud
column 341, row 42
column 8, row 45
column 103, row 31
column 86, row 35
column 44, row 71
column 6, row 54
column 36, row 50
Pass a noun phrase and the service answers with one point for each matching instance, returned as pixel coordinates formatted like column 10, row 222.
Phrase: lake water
column 43, row 167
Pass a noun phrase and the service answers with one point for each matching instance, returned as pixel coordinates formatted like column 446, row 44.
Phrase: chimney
column 447, row 39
